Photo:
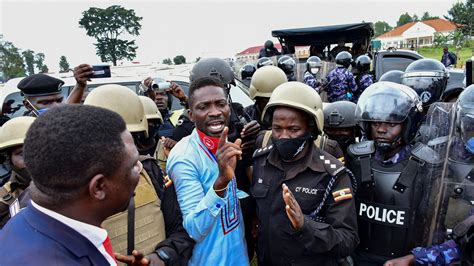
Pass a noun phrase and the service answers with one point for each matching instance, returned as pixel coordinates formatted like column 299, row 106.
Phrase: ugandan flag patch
column 342, row 194
column 167, row 181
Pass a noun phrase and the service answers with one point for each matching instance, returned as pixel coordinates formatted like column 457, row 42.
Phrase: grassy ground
column 436, row 53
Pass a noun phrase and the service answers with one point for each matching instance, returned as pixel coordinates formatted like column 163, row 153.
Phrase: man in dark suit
column 76, row 185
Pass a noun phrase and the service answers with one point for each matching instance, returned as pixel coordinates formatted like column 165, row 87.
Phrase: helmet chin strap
column 386, row 146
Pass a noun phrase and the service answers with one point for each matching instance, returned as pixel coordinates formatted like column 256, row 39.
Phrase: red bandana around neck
column 210, row 142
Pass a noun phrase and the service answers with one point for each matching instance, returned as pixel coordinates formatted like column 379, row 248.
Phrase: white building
column 416, row 34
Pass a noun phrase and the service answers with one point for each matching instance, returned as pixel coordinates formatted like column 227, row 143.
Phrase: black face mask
column 343, row 140
column 290, row 148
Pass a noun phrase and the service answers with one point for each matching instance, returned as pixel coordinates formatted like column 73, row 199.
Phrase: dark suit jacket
column 33, row 238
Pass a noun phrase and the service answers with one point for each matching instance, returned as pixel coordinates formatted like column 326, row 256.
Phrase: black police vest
column 387, row 201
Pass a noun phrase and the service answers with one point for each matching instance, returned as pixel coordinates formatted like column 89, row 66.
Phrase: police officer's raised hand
column 293, row 210
column 227, row 155
column 249, row 134
column 177, row 92
column 402, row 261
column 138, row 259
column 82, row 73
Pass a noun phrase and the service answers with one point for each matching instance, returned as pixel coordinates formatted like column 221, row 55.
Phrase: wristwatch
column 163, row 256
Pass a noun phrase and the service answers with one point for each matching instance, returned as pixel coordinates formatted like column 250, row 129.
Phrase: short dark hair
column 67, row 145
column 203, row 82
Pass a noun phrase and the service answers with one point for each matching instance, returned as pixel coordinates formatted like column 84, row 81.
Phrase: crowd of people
column 380, row 175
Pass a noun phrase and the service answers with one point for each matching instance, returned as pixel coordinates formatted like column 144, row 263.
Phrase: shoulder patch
column 167, row 182
column 362, row 148
column 262, row 151
column 179, row 122
column 342, row 194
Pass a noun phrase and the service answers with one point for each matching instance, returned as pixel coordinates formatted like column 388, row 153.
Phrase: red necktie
column 108, row 248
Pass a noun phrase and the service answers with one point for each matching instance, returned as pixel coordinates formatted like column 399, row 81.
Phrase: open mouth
column 216, row 127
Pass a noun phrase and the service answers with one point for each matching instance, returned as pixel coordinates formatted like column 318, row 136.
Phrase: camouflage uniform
column 310, row 80
column 398, row 157
column 364, row 81
column 342, row 85
column 442, row 254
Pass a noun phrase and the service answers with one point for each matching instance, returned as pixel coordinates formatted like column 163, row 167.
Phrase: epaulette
column 333, row 166
column 361, row 148
column 262, row 151
column 424, row 153
column 6, row 196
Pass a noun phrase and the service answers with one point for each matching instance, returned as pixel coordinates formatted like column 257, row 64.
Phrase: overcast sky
column 200, row 28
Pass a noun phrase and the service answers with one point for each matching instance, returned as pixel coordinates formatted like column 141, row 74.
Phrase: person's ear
column 98, row 187
column 190, row 115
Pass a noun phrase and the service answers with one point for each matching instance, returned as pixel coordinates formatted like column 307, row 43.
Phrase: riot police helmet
column 264, row 61
column 123, row 101
column 339, row 114
column 428, row 77
column 313, row 64
column 268, row 45
column 247, row 71
column 151, row 110
column 363, row 63
column 265, row 80
column 392, row 76
column 299, row 96
column 287, row 64
column 212, row 67
column 465, row 117
column 344, row 59
column 13, row 132
column 389, row 102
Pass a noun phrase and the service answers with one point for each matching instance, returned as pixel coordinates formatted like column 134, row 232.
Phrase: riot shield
column 434, row 137
column 452, row 195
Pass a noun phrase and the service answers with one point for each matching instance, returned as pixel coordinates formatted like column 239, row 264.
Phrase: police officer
column 154, row 210
column 428, row 78
column 288, row 65
column 342, row 85
column 311, row 77
column 263, row 82
column 364, row 79
column 393, row 175
column 42, row 91
column 304, row 196
column 394, row 76
column 455, row 219
column 12, row 135
column 246, row 73
column 268, row 50
column 264, row 61
column 340, row 124
column 154, row 119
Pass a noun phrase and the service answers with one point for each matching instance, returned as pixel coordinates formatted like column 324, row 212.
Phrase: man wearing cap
column 42, row 91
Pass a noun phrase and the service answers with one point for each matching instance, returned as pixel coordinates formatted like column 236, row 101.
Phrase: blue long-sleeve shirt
column 341, row 83
column 215, row 223
column 442, row 254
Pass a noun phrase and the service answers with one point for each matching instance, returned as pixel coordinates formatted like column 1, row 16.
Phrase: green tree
column 179, row 59
column 39, row 61
column 167, row 61
column 63, row 64
column 29, row 59
column 44, row 69
column 440, row 39
column 415, row 17
column 427, row 16
column 461, row 14
column 404, row 19
column 381, row 27
column 458, row 38
column 106, row 26
column 11, row 61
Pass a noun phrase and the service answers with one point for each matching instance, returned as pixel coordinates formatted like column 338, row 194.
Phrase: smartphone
column 100, row 71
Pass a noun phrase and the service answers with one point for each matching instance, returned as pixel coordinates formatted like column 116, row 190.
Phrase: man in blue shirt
column 202, row 167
